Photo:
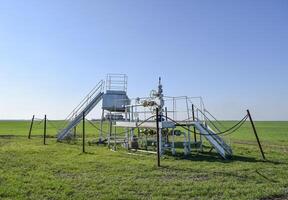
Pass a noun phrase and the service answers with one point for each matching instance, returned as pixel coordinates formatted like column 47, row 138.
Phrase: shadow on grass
column 265, row 177
column 214, row 157
column 87, row 153
column 9, row 136
column 205, row 156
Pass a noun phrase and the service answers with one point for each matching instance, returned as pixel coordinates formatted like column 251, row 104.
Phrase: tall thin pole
column 115, row 132
column 110, row 130
column 83, row 132
column 166, row 113
column 193, row 117
column 45, row 127
column 101, row 127
column 166, row 118
column 31, row 126
column 256, row 135
column 126, row 129
column 158, row 137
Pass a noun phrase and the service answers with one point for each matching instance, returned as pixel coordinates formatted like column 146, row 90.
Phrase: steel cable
column 219, row 133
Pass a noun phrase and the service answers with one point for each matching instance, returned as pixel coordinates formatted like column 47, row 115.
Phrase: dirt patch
column 8, row 136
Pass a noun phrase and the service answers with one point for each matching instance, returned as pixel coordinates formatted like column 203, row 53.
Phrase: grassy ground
column 30, row 170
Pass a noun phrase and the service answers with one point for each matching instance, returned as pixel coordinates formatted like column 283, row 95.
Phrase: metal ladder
column 85, row 106
column 215, row 140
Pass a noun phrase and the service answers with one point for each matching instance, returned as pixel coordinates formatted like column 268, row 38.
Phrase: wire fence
column 93, row 128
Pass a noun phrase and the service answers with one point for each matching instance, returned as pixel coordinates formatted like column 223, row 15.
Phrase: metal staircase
column 85, row 106
column 215, row 140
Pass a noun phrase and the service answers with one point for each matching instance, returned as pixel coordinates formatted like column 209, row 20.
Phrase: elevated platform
column 151, row 124
column 223, row 149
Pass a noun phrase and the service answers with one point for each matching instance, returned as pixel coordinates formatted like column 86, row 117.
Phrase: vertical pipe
column 166, row 114
column 132, row 113
column 173, row 108
column 31, row 126
column 256, row 135
column 189, row 132
column 110, row 130
column 193, row 117
column 132, row 129
column 185, row 144
column 83, row 132
column 167, row 130
column 189, row 140
column 126, row 129
column 202, row 111
column 101, row 127
column 187, row 106
column 158, row 137
column 45, row 127
column 137, row 119
column 173, row 142
column 115, row 132
column 201, row 142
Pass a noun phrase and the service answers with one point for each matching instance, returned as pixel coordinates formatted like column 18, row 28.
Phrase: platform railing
column 87, row 99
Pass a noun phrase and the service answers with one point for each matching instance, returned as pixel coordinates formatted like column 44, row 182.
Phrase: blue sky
column 232, row 53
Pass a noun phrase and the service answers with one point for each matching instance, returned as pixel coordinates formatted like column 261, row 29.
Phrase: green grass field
column 30, row 170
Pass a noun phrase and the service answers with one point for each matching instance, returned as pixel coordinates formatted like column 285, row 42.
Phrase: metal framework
column 116, row 82
column 153, row 121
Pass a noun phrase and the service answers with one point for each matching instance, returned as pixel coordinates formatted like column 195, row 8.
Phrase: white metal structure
column 216, row 141
column 181, row 117
column 85, row 106
column 139, row 115
column 114, row 100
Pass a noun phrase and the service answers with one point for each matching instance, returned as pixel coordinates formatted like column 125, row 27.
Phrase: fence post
column 31, row 126
column 45, row 127
column 158, row 137
column 256, row 135
column 193, row 117
column 83, row 136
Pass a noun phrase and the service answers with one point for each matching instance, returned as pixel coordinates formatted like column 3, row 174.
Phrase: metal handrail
column 116, row 82
column 98, row 88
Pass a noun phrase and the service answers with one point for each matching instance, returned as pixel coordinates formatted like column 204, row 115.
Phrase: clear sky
column 232, row 53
